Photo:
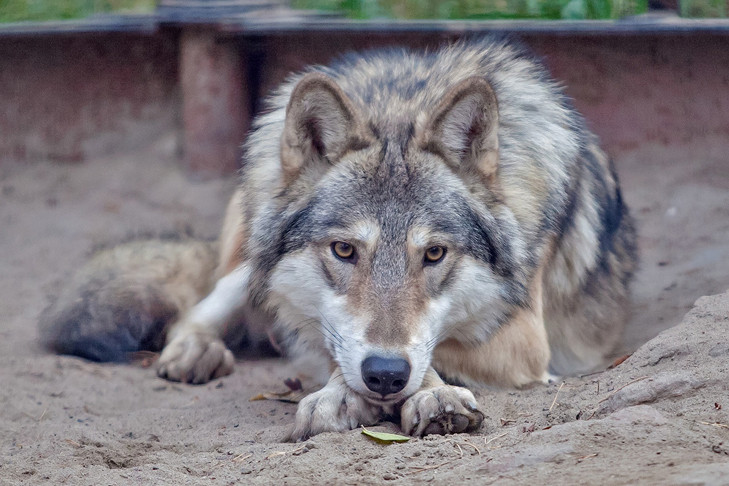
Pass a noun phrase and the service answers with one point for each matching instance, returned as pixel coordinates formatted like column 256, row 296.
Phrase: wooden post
column 214, row 113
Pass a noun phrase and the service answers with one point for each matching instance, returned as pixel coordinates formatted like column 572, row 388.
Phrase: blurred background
column 39, row 10
column 125, row 117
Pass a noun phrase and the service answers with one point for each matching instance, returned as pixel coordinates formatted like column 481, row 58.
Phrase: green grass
column 704, row 8
column 479, row 9
column 504, row 9
column 39, row 10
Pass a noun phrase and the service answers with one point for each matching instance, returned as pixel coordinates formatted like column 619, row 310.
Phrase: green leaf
column 384, row 437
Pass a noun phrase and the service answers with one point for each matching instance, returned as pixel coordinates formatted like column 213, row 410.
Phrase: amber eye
column 342, row 250
column 434, row 254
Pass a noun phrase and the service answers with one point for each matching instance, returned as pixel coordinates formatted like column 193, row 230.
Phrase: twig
column 716, row 424
column 241, row 457
column 487, row 442
column 580, row 459
column 627, row 384
column 428, row 468
column 460, row 451
column 283, row 453
column 508, row 421
column 591, row 374
column 555, row 396
column 474, row 446
column 276, row 454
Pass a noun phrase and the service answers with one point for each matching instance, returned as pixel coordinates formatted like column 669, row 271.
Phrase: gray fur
column 473, row 145
column 542, row 141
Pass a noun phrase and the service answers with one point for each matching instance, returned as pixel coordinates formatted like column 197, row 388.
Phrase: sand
column 659, row 417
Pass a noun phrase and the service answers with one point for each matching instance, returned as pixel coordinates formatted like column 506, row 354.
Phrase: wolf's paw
column 334, row 408
column 195, row 357
column 441, row 410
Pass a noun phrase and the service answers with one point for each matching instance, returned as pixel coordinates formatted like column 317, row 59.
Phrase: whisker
column 329, row 324
column 435, row 340
column 330, row 331
column 321, row 328
column 334, row 377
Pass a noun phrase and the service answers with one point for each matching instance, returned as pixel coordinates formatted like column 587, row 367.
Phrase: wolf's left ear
column 463, row 129
column 322, row 124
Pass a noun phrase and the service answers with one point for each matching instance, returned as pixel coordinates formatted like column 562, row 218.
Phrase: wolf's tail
column 124, row 299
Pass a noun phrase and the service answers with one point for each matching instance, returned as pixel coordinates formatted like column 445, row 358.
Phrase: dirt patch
column 660, row 416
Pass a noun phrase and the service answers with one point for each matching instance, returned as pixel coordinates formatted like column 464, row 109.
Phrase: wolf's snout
column 385, row 375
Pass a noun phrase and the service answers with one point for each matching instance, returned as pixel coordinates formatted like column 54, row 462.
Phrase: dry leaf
column 290, row 396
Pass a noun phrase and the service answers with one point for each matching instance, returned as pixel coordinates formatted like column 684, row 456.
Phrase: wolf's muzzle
column 385, row 375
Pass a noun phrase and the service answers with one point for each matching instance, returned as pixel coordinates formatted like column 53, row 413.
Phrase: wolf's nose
column 385, row 375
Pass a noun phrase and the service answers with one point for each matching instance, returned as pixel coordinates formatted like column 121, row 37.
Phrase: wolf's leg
column 232, row 237
column 195, row 352
column 439, row 408
column 516, row 355
column 334, row 408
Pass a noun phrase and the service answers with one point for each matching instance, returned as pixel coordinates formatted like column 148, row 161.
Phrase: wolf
column 413, row 224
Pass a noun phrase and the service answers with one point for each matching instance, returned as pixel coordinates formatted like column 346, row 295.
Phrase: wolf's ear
column 463, row 129
column 321, row 125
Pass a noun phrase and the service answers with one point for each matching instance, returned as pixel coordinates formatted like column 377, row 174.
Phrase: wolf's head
column 394, row 237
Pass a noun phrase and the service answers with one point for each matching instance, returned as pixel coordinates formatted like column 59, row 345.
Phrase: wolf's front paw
column 443, row 409
column 195, row 357
column 334, row 408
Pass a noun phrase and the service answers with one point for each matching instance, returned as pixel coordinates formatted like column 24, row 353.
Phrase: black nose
column 385, row 375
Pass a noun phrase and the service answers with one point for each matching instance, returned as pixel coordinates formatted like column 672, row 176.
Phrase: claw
column 334, row 408
column 195, row 357
column 449, row 410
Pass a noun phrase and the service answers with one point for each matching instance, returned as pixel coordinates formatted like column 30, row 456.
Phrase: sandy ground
column 659, row 417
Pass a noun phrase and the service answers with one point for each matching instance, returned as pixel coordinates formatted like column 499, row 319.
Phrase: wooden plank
column 143, row 23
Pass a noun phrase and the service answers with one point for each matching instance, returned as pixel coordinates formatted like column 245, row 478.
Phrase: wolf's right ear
column 322, row 124
column 463, row 128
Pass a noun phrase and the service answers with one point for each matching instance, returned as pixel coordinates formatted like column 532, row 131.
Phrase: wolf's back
column 125, row 298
